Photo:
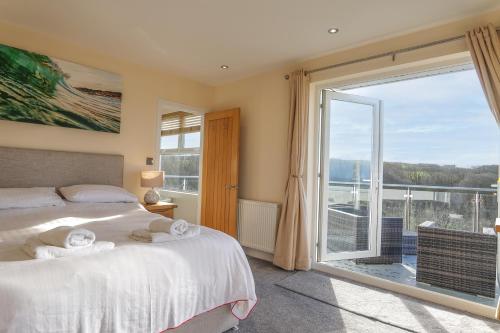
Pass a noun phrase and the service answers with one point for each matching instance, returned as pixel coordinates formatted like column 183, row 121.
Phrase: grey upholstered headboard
column 20, row 167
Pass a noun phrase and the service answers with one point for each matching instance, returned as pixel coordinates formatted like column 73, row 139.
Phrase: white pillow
column 97, row 193
column 29, row 197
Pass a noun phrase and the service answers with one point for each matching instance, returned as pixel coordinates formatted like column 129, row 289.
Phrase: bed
column 201, row 284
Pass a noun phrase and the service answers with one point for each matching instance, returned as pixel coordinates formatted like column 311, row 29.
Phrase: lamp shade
column 152, row 178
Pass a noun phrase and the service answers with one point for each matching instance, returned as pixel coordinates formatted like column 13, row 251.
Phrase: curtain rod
column 385, row 54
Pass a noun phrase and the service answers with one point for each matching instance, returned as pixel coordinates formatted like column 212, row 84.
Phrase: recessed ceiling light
column 224, row 67
column 333, row 30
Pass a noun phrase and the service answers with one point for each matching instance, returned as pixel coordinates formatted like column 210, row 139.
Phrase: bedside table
column 163, row 208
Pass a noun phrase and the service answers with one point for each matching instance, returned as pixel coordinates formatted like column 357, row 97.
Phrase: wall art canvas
column 39, row 89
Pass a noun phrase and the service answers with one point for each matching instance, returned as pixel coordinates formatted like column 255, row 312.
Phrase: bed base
column 218, row 320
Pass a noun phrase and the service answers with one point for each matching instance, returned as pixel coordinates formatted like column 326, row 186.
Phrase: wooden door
column 219, row 201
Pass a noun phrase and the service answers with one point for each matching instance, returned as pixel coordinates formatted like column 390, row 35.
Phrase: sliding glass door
column 350, row 176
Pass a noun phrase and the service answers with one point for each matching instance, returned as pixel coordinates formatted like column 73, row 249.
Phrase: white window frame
column 180, row 150
column 438, row 65
column 165, row 107
column 376, row 165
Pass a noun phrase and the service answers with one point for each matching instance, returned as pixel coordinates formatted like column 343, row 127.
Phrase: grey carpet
column 310, row 302
column 282, row 311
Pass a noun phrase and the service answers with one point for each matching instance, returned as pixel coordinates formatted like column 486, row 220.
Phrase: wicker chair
column 348, row 231
column 459, row 260
column 391, row 247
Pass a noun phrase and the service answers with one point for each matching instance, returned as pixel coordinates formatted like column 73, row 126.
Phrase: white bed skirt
column 218, row 320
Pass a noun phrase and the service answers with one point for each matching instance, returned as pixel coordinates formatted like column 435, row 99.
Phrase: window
column 438, row 145
column 180, row 151
column 440, row 150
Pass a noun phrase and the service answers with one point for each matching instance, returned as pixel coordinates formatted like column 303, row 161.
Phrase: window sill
column 190, row 194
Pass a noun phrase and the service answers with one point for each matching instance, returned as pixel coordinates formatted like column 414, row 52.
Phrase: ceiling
column 193, row 38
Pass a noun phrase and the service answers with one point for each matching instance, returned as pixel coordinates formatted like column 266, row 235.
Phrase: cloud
column 441, row 119
column 421, row 129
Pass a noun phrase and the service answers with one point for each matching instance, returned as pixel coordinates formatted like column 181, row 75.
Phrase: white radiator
column 257, row 224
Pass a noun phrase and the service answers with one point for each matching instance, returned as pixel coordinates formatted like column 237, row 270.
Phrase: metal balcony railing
column 451, row 207
column 182, row 183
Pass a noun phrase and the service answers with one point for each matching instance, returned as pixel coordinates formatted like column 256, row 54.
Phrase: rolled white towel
column 35, row 248
column 174, row 227
column 147, row 236
column 68, row 237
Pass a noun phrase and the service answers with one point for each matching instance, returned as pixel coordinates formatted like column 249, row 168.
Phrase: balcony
column 177, row 183
column 404, row 208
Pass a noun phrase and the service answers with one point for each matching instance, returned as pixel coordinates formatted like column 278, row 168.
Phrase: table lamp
column 152, row 179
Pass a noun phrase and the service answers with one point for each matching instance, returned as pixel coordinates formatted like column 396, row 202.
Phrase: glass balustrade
column 458, row 208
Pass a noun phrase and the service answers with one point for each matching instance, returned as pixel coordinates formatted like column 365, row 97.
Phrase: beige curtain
column 485, row 51
column 292, row 240
column 484, row 48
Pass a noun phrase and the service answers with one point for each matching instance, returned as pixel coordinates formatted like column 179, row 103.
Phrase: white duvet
column 135, row 287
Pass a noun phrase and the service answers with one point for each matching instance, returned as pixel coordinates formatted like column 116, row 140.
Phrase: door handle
column 232, row 187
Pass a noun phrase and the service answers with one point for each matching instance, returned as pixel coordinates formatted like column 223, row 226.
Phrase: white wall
column 187, row 205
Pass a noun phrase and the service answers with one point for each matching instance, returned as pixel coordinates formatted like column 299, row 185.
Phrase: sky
column 191, row 140
column 442, row 119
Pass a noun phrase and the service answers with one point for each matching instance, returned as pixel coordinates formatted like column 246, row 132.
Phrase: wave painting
column 39, row 89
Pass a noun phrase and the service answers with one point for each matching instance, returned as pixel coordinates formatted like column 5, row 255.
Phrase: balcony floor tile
column 405, row 273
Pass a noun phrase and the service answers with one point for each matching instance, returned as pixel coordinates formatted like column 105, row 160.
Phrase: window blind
column 179, row 123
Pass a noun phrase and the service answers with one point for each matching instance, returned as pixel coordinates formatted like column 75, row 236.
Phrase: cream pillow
column 96, row 193
column 29, row 197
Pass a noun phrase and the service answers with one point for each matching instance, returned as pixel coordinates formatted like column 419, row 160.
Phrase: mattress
column 136, row 287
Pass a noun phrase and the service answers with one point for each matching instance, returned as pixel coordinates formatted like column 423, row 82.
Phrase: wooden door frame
column 234, row 112
column 164, row 107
